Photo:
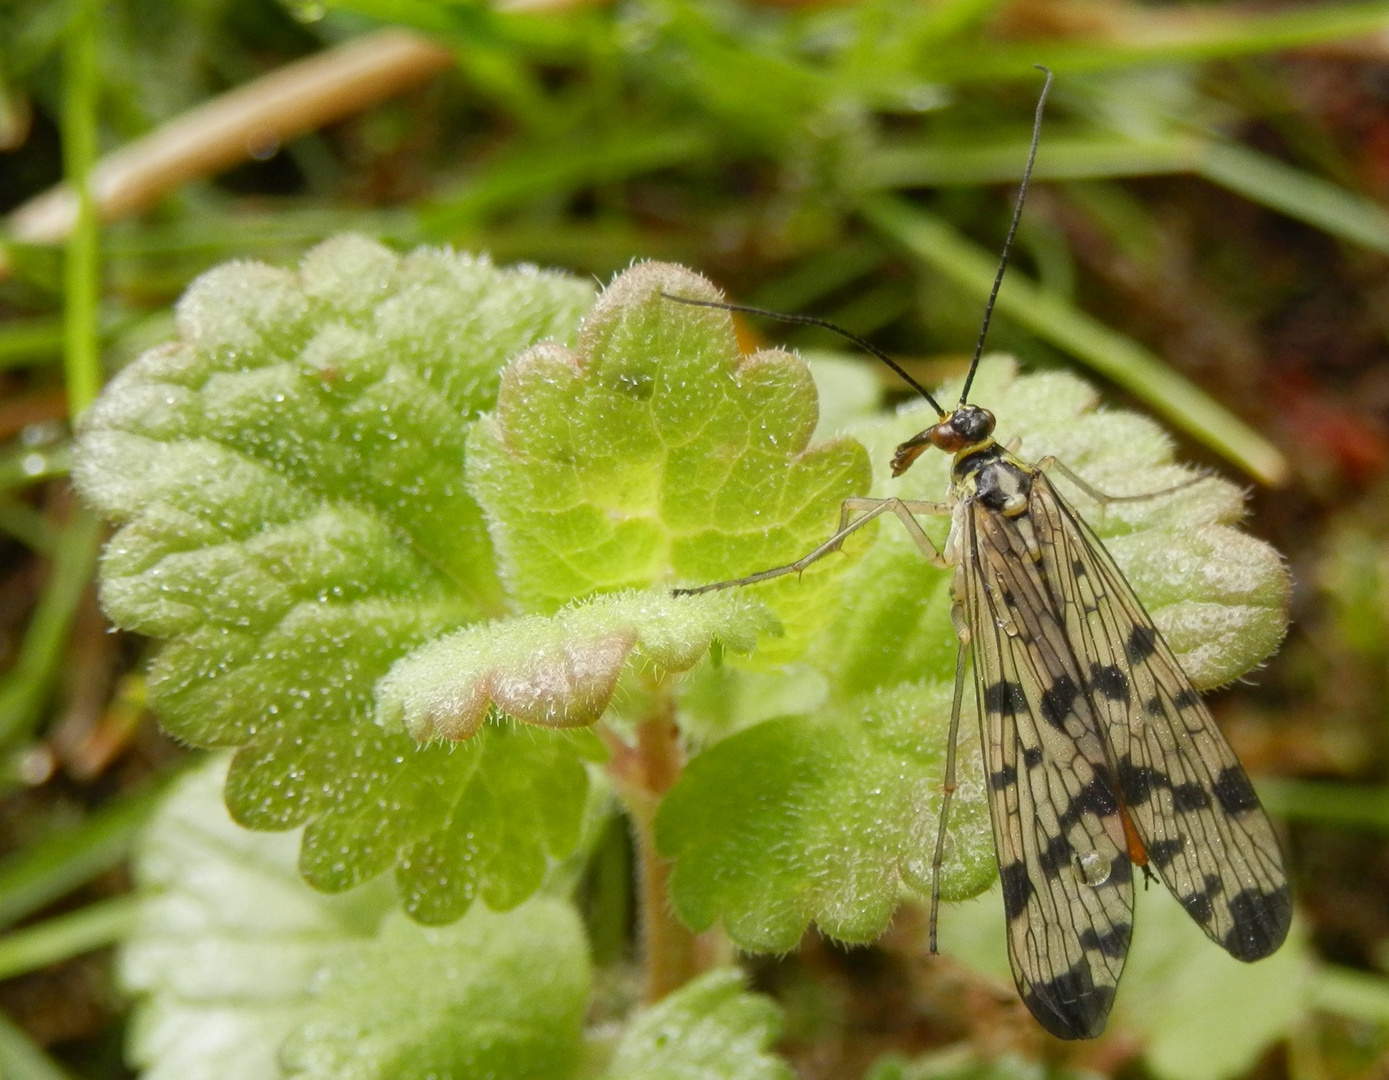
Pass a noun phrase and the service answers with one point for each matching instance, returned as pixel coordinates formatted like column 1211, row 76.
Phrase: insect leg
column 957, row 616
column 1051, row 464
column 872, row 508
column 906, row 509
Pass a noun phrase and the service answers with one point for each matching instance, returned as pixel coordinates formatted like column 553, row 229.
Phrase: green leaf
column 227, row 941
column 245, row 973
column 709, row 1029
column 656, row 452
column 502, row 807
column 561, row 671
column 823, row 818
column 288, row 481
column 492, row 995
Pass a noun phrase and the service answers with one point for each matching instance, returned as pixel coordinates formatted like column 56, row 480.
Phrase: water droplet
column 1094, row 868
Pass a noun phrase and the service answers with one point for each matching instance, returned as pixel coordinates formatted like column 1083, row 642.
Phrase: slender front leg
column 870, row 508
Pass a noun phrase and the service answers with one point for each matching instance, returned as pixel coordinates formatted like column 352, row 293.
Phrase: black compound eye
column 972, row 422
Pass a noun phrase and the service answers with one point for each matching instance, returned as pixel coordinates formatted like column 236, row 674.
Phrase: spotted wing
column 1053, row 796
column 1188, row 797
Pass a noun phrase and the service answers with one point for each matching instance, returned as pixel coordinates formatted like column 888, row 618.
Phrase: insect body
column 1100, row 755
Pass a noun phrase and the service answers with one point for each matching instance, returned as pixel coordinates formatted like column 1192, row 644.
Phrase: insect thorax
column 994, row 477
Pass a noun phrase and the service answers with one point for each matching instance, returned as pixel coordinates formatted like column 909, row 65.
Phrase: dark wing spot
column 1234, row 792
column 1017, row 889
column 1198, row 906
column 1261, row 923
column 1054, row 856
column 1005, row 778
column 1120, row 870
column 1005, row 697
column 1057, row 701
column 1097, row 796
column 1188, row 797
column 1113, row 944
column 1078, row 568
column 1162, row 852
column 1138, row 781
column 1154, row 706
column 1071, row 1006
column 1214, row 886
column 1185, row 699
column 1110, row 681
column 1032, row 756
column 1142, row 644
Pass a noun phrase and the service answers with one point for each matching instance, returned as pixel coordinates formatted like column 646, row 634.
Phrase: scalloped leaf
column 227, row 940
column 288, row 481
column 709, row 1029
column 655, row 452
column 243, row 972
column 561, row 671
column 491, row 995
column 824, row 818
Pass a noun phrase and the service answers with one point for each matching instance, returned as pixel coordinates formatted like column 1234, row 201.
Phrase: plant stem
column 82, row 265
column 643, row 775
column 222, row 132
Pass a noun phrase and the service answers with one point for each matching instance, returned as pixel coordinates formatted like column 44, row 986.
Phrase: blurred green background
column 1206, row 238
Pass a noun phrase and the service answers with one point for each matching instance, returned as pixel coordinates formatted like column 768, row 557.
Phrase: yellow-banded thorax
column 982, row 469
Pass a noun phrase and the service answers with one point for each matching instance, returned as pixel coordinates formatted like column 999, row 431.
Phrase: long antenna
column 868, row 347
column 811, row 320
column 1012, row 231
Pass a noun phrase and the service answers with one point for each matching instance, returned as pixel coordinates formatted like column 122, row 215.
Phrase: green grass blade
column 25, row 688
column 28, row 526
column 1298, row 194
column 29, row 465
column 1215, row 34
column 535, row 171
column 1258, row 177
column 82, row 266
column 20, row 1059
column 1076, row 157
column 949, row 19
column 1325, row 803
column 1113, row 355
column 37, row 875
column 820, row 275
column 82, row 931
column 25, row 342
